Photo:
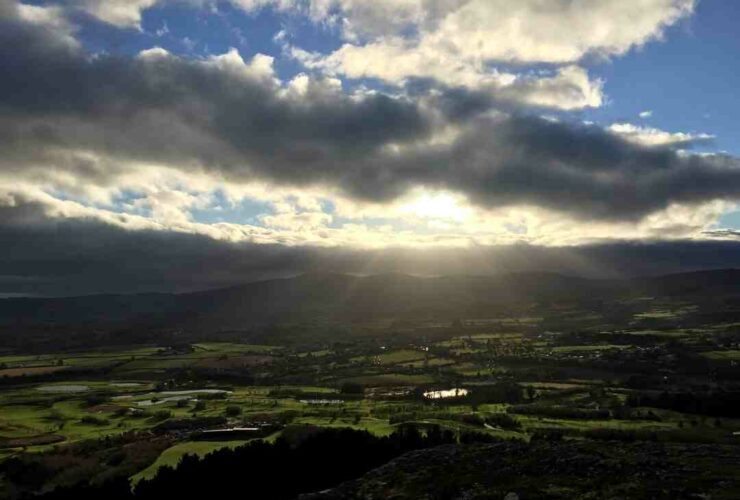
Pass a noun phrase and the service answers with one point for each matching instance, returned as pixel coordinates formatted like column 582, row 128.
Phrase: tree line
column 278, row 470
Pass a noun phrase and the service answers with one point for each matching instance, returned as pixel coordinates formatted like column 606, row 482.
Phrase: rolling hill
column 329, row 296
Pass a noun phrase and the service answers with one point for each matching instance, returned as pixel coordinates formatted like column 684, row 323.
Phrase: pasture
column 516, row 386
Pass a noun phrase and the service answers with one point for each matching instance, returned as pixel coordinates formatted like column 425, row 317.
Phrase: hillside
column 327, row 296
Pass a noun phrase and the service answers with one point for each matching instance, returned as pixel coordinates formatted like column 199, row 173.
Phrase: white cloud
column 646, row 114
column 529, row 31
column 648, row 136
column 456, row 42
column 52, row 18
column 121, row 13
column 260, row 67
column 560, row 31
column 164, row 30
column 556, row 31
column 153, row 53
column 570, row 88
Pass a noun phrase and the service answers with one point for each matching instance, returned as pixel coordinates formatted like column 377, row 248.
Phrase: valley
column 660, row 371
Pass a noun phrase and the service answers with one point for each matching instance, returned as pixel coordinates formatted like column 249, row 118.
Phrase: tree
column 233, row 411
column 352, row 388
column 531, row 392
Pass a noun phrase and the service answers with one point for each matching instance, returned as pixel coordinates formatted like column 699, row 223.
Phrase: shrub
column 560, row 412
column 91, row 420
column 161, row 415
column 233, row 411
column 96, row 399
column 352, row 388
column 548, row 435
column 504, row 421
column 472, row 419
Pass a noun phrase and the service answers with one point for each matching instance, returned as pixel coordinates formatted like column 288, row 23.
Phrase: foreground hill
column 551, row 470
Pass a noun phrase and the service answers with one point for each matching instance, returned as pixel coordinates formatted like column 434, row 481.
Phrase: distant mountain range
column 320, row 296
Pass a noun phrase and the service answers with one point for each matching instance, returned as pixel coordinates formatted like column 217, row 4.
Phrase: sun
column 437, row 205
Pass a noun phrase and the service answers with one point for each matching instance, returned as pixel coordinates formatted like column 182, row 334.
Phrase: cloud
column 724, row 234
column 87, row 121
column 82, row 255
column 645, row 114
column 120, row 13
column 82, row 134
column 50, row 17
column 115, row 169
column 567, row 88
column 167, row 201
column 527, row 31
column 460, row 42
column 560, row 31
column 648, row 136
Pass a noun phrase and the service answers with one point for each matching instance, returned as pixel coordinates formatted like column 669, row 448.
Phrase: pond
column 155, row 402
column 63, row 388
column 171, row 396
column 232, row 429
column 447, row 393
column 193, row 391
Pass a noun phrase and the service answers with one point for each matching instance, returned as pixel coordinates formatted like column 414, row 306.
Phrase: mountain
column 322, row 296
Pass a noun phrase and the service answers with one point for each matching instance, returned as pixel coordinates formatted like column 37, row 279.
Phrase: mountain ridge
column 321, row 295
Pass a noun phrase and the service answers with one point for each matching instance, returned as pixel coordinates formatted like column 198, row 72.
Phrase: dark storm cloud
column 42, row 256
column 580, row 169
column 56, row 101
column 175, row 111
column 73, row 256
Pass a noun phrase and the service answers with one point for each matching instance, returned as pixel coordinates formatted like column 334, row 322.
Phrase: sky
column 174, row 145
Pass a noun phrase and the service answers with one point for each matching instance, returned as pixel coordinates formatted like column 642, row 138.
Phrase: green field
column 733, row 355
column 139, row 391
column 586, row 348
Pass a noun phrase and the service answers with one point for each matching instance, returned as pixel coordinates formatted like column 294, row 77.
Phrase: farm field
column 506, row 380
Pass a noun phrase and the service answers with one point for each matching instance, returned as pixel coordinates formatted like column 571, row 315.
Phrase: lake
column 447, row 393
column 171, row 396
